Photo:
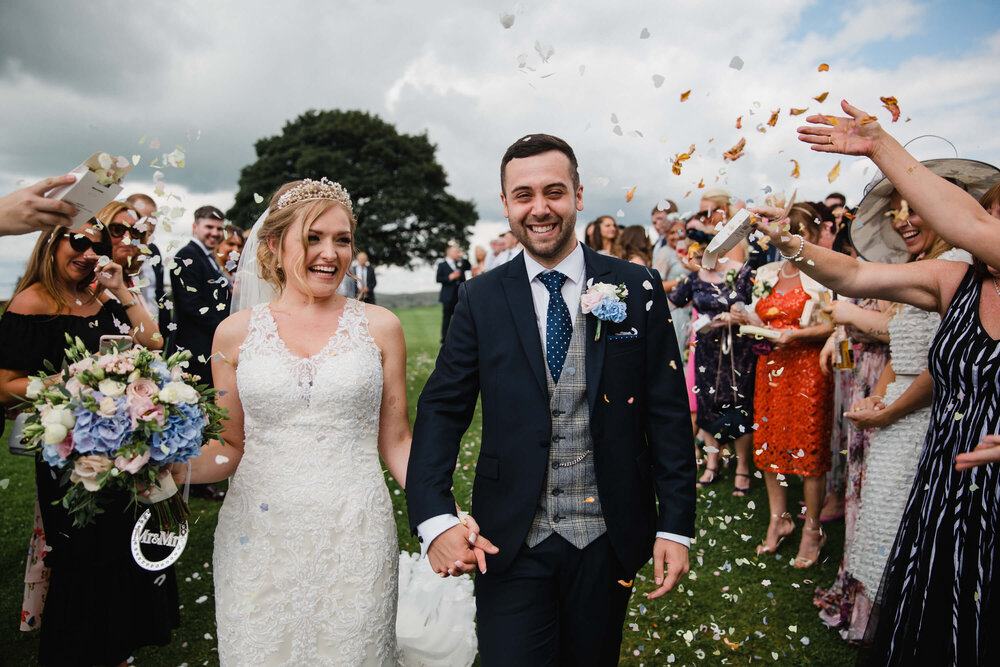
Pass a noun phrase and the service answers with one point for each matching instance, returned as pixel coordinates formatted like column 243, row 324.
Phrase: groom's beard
column 551, row 247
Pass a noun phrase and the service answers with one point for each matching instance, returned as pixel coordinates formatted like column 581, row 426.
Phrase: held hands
column 869, row 412
column 987, row 451
column 670, row 563
column 859, row 134
column 459, row 549
column 27, row 210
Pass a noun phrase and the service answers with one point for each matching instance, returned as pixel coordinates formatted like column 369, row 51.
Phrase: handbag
column 727, row 425
column 16, row 444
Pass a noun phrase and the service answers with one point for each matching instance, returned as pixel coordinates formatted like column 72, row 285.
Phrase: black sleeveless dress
column 101, row 605
column 936, row 604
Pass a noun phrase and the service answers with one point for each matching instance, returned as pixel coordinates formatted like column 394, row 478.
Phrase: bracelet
column 798, row 253
column 131, row 303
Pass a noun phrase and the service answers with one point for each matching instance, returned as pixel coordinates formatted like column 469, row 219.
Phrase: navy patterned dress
column 935, row 605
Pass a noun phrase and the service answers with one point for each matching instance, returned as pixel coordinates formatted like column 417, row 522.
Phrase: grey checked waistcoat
column 569, row 504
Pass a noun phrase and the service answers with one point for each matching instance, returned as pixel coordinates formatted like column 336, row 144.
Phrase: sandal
column 763, row 548
column 715, row 477
column 740, row 491
column 803, row 563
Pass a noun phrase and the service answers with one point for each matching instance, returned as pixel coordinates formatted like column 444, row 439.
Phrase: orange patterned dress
column 793, row 400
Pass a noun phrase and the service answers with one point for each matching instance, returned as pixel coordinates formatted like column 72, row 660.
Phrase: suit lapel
column 522, row 311
column 599, row 271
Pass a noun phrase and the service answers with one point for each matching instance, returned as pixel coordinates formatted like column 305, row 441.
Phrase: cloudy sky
column 214, row 77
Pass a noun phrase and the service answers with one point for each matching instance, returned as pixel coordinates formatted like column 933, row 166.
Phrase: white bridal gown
column 306, row 557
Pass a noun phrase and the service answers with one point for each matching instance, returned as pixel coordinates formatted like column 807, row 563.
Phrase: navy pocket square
column 631, row 334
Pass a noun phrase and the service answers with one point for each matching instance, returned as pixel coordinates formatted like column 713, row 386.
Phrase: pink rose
column 74, row 386
column 590, row 300
column 142, row 408
column 132, row 465
column 142, row 388
column 82, row 365
column 65, row 448
column 86, row 470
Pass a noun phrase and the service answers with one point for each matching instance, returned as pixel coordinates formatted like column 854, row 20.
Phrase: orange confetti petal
column 739, row 122
column 736, row 152
column 626, row 584
column 833, row 120
column 701, row 184
column 823, row 68
column 631, row 400
column 630, row 194
column 606, row 396
column 589, row 499
column 797, row 112
column 774, row 117
column 892, row 104
column 686, row 194
column 834, row 173
column 868, row 119
column 821, row 98
column 795, row 171
column 685, row 95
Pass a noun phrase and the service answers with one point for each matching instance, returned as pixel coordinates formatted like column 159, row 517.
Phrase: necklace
column 996, row 286
column 785, row 275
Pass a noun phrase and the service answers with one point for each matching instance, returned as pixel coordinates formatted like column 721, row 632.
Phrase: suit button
column 556, row 519
column 556, row 492
column 557, row 412
column 555, row 466
column 556, row 438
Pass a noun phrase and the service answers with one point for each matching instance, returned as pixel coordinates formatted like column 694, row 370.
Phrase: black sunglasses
column 118, row 230
column 80, row 243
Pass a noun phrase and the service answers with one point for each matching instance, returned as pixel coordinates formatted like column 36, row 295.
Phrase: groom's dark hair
column 536, row 144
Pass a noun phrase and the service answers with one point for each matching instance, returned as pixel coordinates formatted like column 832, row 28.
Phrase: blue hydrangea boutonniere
column 605, row 301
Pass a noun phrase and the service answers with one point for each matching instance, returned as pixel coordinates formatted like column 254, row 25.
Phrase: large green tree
column 398, row 188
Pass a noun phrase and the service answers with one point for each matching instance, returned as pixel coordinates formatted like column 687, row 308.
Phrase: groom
column 583, row 430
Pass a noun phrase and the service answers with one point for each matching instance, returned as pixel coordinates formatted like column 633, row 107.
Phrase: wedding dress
column 306, row 557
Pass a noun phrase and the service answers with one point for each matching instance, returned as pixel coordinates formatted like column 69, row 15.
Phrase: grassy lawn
column 733, row 608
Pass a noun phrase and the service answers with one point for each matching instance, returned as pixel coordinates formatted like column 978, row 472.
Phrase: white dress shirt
column 575, row 270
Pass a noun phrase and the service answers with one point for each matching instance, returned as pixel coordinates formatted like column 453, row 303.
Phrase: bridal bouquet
column 113, row 421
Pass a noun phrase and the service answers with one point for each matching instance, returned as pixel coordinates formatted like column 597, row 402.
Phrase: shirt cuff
column 673, row 537
column 428, row 530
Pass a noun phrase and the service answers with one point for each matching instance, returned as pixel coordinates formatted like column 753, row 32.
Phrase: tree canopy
column 398, row 189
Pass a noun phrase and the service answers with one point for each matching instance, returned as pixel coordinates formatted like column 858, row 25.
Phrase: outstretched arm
column 28, row 209
column 954, row 214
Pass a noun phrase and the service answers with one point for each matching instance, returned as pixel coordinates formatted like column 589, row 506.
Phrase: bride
column 306, row 557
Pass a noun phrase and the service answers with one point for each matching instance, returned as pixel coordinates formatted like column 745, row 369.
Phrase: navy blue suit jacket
column 449, row 287
column 640, row 421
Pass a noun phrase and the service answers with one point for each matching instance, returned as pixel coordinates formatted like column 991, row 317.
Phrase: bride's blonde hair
column 280, row 218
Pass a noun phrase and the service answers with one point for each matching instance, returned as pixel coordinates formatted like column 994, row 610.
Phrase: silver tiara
column 321, row 189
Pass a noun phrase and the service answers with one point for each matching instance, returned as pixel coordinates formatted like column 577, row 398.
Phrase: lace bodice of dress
column 911, row 331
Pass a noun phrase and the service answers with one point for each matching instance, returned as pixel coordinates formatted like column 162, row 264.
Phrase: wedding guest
column 227, row 253
column 201, row 291
column 121, row 220
column 496, row 247
column 28, row 209
column 931, row 609
column 480, row 254
column 365, row 275
column 451, row 274
column 154, row 285
column 635, row 245
column 83, row 620
column 723, row 366
column 605, row 237
column 792, row 397
column 670, row 266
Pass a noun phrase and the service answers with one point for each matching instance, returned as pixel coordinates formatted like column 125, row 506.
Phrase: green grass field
column 732, row 608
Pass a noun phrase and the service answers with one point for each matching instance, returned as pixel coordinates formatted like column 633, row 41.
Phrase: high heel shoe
column 763, row 548
column 803, row 563
column 715, row 477
column 741, row 491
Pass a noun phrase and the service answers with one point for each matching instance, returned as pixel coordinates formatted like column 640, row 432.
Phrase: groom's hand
column 670, row 563
column 458, row 550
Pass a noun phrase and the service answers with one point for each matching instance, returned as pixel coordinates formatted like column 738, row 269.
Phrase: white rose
column 178, row 392
column 54, row 434
column 58, row 414
column 111, row 388
column 35, row 387
column 107, row 407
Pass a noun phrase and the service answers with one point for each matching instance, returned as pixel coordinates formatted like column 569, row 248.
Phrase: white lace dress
column 306, row 556
column 895, row 449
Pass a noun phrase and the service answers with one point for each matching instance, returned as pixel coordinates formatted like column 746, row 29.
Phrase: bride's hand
column 480, row 545
column 857, row 134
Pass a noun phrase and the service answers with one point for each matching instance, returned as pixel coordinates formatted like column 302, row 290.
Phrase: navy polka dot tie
column 558, row 325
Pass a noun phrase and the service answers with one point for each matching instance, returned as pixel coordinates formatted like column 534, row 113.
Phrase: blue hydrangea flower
column 180, row 439
column 610, row 308
column 50, row 454
column 96, row 434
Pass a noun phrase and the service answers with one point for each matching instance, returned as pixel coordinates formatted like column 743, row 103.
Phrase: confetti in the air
column 657, row 80
column 773, row 120
column 544, row 52
column 506, row 20
column 679, row 160
column 892, row 104
column 257, row 198
column 686, row 94
column 739, row 123
column 834, row 173
column 644, row 34
column 736, row 63
column 824, row 68
column 797, row 112
column 630, row 194
column 795, row 170
column 736, row 152
column 822, row 97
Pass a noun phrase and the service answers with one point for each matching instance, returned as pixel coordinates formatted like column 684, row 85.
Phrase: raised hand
column 110, row 277
column 774, row 222
column 857, row 134
column 987, row 451
column 27, row 210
